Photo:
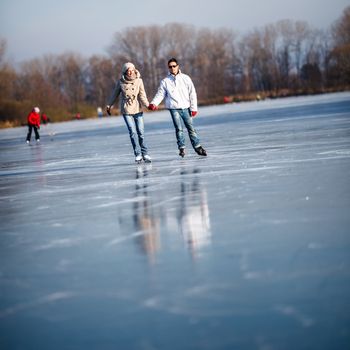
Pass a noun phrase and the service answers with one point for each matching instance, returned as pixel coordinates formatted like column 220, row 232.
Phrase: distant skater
column 132, row 96
column 33, row 120
column 45, row 119
column 99, row 112
column 181, row 101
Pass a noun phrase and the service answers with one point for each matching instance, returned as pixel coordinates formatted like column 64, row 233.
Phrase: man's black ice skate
column 147, row 158
column 182, row 152
column 201, row 151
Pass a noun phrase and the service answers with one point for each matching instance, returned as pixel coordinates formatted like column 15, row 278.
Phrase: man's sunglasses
column 172, row 66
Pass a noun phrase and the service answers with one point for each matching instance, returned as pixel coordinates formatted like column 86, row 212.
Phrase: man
column 181, row 101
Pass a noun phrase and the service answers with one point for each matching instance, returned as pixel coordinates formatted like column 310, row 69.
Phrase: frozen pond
column 248, row 248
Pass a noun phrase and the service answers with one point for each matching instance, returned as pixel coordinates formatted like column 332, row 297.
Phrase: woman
column 132, row 94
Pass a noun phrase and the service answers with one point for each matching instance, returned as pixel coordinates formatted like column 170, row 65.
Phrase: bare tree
column 285, row 45
column 178, row 41
column 142, row 46
column 99, row 80
column 3, row 46
column 72, row 84
column 8, row 75
column 302, row 34
column 212, row 61
column 339, row 59
column 341, row 29
column 151, row 65
column 32, row 84
column 257, row 49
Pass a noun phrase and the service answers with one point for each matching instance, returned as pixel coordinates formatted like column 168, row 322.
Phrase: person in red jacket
column 33, row 123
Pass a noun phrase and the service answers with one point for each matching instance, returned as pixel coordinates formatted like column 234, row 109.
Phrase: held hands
column 152, row 107
column 193, row 113
column 108, row 110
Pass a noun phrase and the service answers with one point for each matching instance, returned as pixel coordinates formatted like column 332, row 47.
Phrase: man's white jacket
column 178, row 91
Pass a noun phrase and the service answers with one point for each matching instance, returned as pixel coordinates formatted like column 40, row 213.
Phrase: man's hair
column 172, row 60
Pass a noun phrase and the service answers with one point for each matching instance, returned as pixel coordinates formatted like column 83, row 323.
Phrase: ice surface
column 248, row 248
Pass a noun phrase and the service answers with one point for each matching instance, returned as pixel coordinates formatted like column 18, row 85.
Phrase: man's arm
column 159, row 96
column 193, row 97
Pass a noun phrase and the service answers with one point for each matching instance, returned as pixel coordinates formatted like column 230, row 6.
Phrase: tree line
column 280, row 59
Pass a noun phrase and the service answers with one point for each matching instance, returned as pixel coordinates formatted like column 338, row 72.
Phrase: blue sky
column 33, row 28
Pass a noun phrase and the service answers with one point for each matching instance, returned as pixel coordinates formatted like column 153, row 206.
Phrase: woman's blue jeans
column 180, row 117
column 136, row 129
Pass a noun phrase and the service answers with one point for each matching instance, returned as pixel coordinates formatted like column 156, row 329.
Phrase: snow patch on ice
column 292, row 312
column 46, row 299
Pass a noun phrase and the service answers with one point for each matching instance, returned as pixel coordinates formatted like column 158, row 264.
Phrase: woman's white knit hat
column 126, row 66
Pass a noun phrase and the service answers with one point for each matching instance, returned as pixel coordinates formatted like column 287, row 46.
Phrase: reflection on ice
column 194, row 213
column 145, row 217
column 186, row 212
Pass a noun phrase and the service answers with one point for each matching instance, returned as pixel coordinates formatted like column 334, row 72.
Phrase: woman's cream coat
column 132, row 95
